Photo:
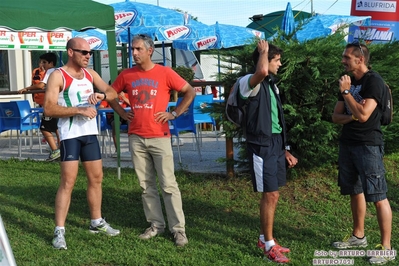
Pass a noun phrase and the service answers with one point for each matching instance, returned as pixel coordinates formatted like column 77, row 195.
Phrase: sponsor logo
column 124, row 18
column 376, row 6
column 9, row 113
column 378, row 34
column 206, row 43
column 257, row 33
column 94, row 42
column 174, row 33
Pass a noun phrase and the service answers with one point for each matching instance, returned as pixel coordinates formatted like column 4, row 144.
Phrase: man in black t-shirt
column 361, row 148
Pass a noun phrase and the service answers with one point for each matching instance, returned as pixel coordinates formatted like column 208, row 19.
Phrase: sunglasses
column 83, row 52
column 357, row 44
column 144, row 36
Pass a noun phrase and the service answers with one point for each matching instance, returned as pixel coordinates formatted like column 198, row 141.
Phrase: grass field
column 222, row 220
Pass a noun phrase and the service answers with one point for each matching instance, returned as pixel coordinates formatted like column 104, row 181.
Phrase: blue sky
column 237, row 12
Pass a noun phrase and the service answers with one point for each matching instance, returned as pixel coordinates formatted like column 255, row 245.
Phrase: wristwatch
column 174, row 114
column 345, row 92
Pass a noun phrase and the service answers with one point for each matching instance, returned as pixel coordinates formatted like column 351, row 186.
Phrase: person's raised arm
column 262, row 67
column 361, row 111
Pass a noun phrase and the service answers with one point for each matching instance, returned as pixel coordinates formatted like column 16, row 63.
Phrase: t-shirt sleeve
column 119, row 83
column 374, row 88
column 175, row 81
column 245, row 89
column 47, row 75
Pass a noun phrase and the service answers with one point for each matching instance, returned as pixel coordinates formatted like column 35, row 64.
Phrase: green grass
column 222, row 218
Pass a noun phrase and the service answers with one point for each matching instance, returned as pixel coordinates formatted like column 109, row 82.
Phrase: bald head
column 78, row 43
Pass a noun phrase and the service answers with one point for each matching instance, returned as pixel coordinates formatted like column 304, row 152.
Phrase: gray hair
column 147, row 40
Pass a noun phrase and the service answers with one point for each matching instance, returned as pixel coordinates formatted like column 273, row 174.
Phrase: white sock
column 269, row 244
column 96, row 222
column 59, row 228
column 262, row 238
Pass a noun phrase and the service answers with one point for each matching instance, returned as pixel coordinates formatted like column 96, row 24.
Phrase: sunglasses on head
column 358, row 44
column 144, row 36
column 83, row 52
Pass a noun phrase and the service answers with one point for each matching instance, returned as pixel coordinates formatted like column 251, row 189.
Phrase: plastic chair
column 18, row 115
column 201, row 114
column 105, row 131
column 185, row 122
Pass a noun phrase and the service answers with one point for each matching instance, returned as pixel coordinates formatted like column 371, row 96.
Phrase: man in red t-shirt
column 149, row 86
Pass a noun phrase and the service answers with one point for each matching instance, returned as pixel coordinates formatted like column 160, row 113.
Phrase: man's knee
column 271, row 196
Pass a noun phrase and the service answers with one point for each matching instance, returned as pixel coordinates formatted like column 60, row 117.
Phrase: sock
column 269, row 244
column 262, row 238
column 96, row 222
column 358, row 237
column 59, row 228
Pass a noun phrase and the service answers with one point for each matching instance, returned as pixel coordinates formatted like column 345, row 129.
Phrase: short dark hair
column 273, row 51
column 49, row 57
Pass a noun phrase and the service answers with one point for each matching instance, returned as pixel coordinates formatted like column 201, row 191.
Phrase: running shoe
column 275, row 255
column 351, row 242
column 262, row 245
column 385, row 256
column 105, row 228
column 54, row 155
column 59, row 239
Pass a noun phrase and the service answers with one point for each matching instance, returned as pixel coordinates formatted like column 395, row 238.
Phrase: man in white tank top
column 71, row 98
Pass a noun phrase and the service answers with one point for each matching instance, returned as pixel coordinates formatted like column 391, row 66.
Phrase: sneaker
column 351, row 242
column 387, row 256
column 275, row 255
column 104, row 228
column 150, row 232
column 262, row 245
column 180, row 239
column 54, row 155
column 59, row 240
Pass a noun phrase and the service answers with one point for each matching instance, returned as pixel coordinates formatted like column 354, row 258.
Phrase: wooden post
column 229, row 158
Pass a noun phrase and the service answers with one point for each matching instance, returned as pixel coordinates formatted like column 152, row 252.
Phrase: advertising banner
column 384, row 21
column 33, row 39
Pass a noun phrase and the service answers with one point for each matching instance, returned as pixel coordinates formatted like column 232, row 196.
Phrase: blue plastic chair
column 104, row 131
column 201, row 114
column 185, row 122
column 18, row 115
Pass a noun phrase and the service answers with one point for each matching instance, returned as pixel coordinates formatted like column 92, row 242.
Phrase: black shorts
column 268, row 165
column 85, row 147
column 49, row 124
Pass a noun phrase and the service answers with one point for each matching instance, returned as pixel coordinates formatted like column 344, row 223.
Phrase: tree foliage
column 308, row 84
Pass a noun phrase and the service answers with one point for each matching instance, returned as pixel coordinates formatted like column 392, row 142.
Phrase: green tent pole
column 113, row 73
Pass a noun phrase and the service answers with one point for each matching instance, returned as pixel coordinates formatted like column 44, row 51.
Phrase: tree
column 309, row 89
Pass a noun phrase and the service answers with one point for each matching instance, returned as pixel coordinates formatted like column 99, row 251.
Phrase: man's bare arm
column 51, row 107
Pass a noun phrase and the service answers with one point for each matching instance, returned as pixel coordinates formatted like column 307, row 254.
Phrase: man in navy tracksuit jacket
column 266, row 142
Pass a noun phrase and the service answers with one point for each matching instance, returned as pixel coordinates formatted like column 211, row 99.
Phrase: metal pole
column 311, row 7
